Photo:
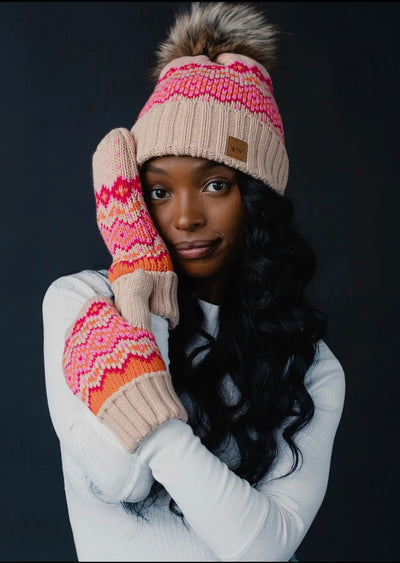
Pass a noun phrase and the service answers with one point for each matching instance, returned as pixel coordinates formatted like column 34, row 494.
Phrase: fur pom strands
column 214, row 28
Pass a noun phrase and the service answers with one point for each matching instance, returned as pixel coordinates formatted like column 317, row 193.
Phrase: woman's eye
column 158, row 193
column 217, row 186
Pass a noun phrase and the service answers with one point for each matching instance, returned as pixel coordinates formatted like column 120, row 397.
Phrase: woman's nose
column 188, row 214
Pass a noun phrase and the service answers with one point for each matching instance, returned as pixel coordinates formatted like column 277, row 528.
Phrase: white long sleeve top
column 226, row 519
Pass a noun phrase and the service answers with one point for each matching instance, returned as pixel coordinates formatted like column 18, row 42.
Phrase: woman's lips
column 196, row 249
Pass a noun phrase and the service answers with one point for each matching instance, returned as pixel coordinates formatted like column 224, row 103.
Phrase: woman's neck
column 209, row 290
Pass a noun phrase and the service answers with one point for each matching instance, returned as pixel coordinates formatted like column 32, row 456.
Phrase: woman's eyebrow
column 210, row 164
column 155, row 169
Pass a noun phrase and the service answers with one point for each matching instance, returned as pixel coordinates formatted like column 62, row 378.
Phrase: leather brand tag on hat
column 236, row 149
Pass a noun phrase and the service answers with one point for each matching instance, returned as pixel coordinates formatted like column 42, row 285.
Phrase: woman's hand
column 129, row 232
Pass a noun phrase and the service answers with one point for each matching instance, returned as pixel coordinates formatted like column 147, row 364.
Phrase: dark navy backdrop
column 70, row 72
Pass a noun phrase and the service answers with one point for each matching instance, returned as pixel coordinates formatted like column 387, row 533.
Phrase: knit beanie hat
column 214, row 97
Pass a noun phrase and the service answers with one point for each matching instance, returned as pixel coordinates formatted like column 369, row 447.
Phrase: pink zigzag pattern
column 100, row 340
column 125, row 223
column 118, row 230
column 237, row 84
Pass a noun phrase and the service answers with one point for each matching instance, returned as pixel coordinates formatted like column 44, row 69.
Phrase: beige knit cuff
column 131, row 295
column 164, row 297
column 141, row 292
column 140, row 406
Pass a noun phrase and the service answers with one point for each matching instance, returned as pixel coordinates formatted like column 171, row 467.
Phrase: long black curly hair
column 266, row 343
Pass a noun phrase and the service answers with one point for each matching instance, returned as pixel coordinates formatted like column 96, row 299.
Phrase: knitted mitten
column 128, row 230
column 117, row 370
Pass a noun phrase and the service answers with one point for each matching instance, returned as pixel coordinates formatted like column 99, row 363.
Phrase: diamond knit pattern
column 103, row 352
column 243, row 86
column 122, row 215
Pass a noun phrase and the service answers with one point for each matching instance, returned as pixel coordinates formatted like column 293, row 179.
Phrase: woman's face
column 197, row 209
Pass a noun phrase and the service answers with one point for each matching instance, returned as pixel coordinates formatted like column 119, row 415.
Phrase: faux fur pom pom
column 213, row 28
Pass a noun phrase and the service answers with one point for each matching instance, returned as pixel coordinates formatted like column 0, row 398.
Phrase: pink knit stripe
column 236, row 84
column 89, row 365
column 101, row 342
column 121, row 190
column 107, row 344
column 132, row 248
column 234, row 68
column 125, row 223
column 82, row 379
column 118, row 234
column 103, row 326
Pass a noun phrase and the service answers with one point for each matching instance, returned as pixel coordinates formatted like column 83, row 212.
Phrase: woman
column 195, row 400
